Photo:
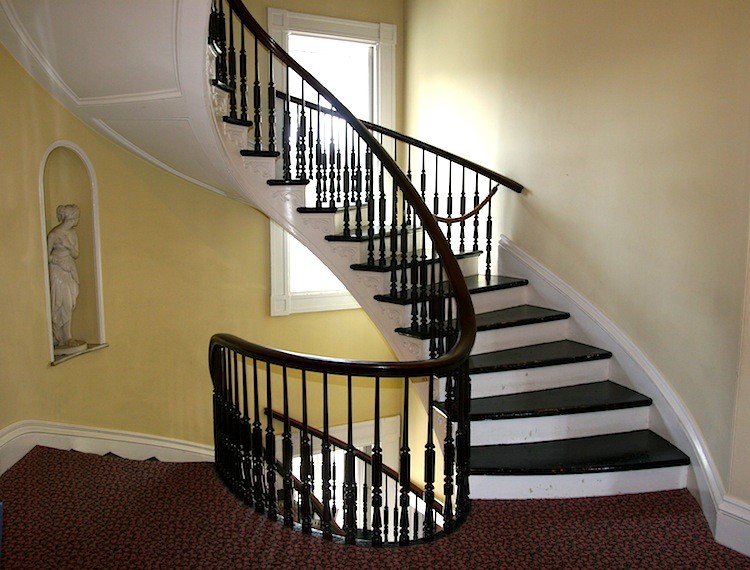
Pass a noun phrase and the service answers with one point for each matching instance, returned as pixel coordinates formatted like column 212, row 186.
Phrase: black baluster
column 449, row 204
column 247, row 495
column 301, row 137
column 404, row 469
column 331, row 165
column 370, row 208
column 429, row 468
column 306, row 463
column 377, row 475
column 449, row 453
column 221, row 60
column 243, row 76
column 463, row 441
column 270, row 450
column 257, row 114
column 257, row 445
column 488, row 270
column 394, row 237
column 350, row 485
column 386, row 510
column 319, row 158
column 271, row 106
column 462, row 211
column 475, row 246
column 326, row 469
column 357, row 185
column 347, row 183
column 287, row 453
column 231, row 67
column 286, row 135
column 382, row 213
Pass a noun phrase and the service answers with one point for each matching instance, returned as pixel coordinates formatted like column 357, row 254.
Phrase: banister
column 466, row 318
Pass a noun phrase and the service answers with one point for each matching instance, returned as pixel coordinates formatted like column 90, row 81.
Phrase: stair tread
column 535, row 356
column 581, row 398
column 475, row 283
column 641, row 449
column 503, row 318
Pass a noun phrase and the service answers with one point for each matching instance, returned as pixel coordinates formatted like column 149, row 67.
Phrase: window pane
column 307, row 274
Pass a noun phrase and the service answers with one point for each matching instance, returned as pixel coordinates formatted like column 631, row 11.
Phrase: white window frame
column 383, row 37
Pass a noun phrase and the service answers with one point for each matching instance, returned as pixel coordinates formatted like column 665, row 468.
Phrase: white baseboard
column 733, row 525
column 18, row 439
column 631, row 367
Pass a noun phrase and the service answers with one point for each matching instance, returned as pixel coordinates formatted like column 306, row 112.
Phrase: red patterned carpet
column 65, row 509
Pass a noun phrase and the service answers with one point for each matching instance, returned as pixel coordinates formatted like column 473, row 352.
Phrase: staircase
column 547, row 416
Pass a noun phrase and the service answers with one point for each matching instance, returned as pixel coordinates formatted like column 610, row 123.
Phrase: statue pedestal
column 71, row 347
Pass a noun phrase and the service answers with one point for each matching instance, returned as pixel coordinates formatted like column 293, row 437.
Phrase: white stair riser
column 508, row 487
column 512, row 337
column 530, row 430
column 542, row 378
column 500, row 299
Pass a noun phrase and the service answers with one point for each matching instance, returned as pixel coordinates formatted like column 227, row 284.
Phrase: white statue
column 62, row 250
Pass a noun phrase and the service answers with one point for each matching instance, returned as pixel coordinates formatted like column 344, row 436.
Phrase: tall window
column 355, row 61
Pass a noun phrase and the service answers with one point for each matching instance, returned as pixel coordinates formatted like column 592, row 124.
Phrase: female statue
column 62, row 250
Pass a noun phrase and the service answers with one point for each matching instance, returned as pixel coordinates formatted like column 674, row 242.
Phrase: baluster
column 488, row 270
column 365, row 493
column 221, row 60
column 334, row 508
column 301, row 136
column 326, row 469
column 270, row 450
column 350, row 485
column 429, row 467
column 415, row 271
column 258, row 491
column 286, row 135
column 318, row 162
column 386, row 511
column 310, row 142
column 257, row 114
column 404, row 469
column 306, row 474
column 382, row 213
column 287, row 453
column 449, row 205
column 232, row 67
column 324, row 165
column 358, row 186
column 271, row 106
column 247, row 494
column 405, row 215
column 338, row 166
column 394, row 236
column 415, row 524
column 243, row 76
column 448, row 453
column 331, row 164
column 370, row 208
column 462, row 208
column 476, row 216
column 377, row 475
column 347, row 185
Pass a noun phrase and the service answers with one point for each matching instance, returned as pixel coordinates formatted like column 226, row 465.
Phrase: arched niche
column 67, row 177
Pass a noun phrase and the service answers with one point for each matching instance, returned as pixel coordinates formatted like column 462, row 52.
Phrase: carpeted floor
column 65, row 509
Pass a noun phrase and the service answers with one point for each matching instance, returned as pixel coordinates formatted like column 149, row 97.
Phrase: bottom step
column 629, row 462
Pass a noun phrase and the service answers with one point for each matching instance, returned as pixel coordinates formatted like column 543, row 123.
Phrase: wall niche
column 67, row 177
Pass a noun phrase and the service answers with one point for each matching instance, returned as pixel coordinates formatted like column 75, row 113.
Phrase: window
column 356, row 61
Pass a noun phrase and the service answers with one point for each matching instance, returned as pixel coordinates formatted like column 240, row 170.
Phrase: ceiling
column 135, row 70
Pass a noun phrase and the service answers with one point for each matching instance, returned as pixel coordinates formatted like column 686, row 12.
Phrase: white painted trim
column 733, row 525
column 673, row 420
column 19, row 438
column 94, row 196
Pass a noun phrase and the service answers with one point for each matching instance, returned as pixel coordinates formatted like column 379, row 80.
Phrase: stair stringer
column 669, row 417
column 280, row 204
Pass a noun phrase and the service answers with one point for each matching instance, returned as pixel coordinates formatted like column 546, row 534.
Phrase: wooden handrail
column 358, row 453
column 491, row 174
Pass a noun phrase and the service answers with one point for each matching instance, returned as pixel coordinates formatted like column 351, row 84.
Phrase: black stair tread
column 386, row 266
column 288, row 182
column 363, row 235
column 641, row 449
column 581, row 398
column 266, row 153
column 503, row 318
column 317, row 210
column 237, row 121
column 475, row 283
column 535, row 356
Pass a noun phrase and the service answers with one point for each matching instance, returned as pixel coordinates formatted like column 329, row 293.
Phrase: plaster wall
column 179, row 264
column 629, row 125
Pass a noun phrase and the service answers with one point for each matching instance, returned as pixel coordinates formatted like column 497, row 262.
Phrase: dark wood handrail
column 466, row 317
column 491, row 174
column 358, row 453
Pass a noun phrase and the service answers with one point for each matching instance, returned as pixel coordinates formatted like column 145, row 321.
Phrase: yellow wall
column 628, row 122
column 179, row 264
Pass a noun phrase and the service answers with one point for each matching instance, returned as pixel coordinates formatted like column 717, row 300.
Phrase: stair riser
column 529, row 430
column 508, row 487
column 528, row 379
column 499, row 299
column 512, row 337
